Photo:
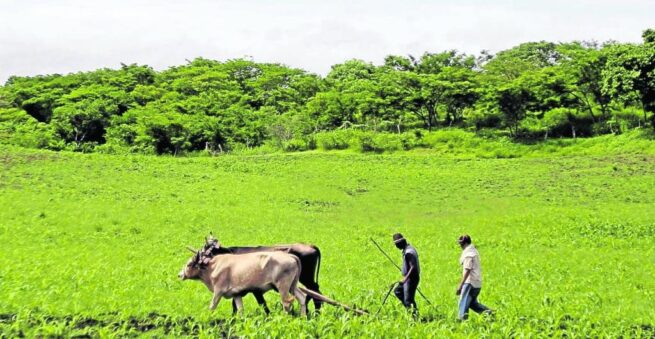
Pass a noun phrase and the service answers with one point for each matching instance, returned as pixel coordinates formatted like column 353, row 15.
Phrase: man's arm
column 411, row 260
column 467, row 272
column 406, row 277
column 468, row 266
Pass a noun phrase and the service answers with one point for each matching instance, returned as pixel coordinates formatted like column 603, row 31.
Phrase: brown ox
column 234, row 275
column 309, row 255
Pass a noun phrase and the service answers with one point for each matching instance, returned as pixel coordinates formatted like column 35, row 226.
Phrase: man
column 471, row 284
column 411, row 271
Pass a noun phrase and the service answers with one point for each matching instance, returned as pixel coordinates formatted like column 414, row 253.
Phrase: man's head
column 464, row 240
column 399, row 241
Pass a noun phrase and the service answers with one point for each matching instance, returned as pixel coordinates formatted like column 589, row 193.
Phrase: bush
column 363, row 141
column 112, row 148
column 481, row 119
column 627, row 118
column 380, row 142
column 449, row 138
column 340, row 139
column 532, row 128
column 410, row 140
column 295, row 145
column 31, row 134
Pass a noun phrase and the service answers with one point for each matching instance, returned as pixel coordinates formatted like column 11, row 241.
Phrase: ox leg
column 302, row 300
column 307, row 278
column 261, row 301
column 215, row 299
column 314, row 287
column 317, row 303
column 284, row 290
column 239, row 304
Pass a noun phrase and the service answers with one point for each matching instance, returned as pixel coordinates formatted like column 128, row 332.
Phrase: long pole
column 325, row 299
column 398, row 267
column 386, row 297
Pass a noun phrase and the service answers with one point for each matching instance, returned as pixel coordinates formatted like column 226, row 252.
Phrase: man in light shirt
column 471, row 284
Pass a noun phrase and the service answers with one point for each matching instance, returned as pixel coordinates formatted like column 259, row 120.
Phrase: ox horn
column 191, row 249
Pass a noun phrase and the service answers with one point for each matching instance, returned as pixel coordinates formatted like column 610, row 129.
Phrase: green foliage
column 547, row 141
column 380, row 142
column 533, row 90
column 626, row 118
column 629, row 75
column 295, row 145
column 335, row 140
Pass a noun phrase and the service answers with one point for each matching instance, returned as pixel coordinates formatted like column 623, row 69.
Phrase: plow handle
column 327, row 300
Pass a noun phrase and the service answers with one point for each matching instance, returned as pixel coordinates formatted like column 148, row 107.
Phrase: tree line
column 536, row 90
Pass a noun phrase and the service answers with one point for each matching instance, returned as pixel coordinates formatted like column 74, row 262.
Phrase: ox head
column 193, row 267
column 212, row 246
column 200, row 259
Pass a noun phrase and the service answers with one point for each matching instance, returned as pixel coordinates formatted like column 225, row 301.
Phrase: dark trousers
column 406, row 293
column 469, row 299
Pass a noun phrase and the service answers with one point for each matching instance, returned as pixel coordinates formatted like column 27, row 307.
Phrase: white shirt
column 470, row 260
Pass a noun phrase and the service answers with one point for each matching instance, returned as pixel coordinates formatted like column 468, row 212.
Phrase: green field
column 91, row 244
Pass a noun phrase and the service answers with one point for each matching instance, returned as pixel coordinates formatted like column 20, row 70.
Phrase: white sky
column 61, row 36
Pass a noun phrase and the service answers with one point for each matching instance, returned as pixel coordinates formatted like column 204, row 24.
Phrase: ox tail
column 318, row 264
column 296, row 278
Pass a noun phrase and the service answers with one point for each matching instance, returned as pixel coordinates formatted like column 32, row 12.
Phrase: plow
column 332, row 302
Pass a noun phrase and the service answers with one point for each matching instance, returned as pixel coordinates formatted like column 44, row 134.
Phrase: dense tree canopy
column 534, row 90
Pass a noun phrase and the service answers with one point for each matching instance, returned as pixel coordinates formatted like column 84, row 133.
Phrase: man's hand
column 467, row 272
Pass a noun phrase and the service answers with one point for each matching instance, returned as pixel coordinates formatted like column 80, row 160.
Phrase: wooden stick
column 325, row 299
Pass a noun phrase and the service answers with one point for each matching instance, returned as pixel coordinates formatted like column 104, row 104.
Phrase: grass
column 92, row 243
column 463, row 144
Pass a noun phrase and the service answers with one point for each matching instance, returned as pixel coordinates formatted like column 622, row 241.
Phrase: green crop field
column 91, row 244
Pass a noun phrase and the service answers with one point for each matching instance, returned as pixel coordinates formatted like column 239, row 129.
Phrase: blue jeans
column 469, row 299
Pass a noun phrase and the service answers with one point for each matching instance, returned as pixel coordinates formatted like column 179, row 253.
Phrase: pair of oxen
column 233, row 272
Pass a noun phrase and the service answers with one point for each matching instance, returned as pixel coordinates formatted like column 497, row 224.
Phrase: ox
column 309, row 255
column 234, row 275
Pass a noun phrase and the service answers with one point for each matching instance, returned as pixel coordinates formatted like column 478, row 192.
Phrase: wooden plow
column 327, row 300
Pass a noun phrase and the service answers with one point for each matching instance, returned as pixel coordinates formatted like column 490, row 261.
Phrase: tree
column 630, row 74
column 349, row 71
column 400, row 63
column 511, row 63
column 583, row 65
column 84, row 114
column 430, row 97
column 649, row 36
column 434, row 63
column 513, row 100
column 562, row 117
column 460, row 93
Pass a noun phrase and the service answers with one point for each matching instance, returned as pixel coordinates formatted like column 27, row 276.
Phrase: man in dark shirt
column 406, row 289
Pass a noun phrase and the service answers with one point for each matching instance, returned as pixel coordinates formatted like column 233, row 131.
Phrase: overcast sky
column 61, row 36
